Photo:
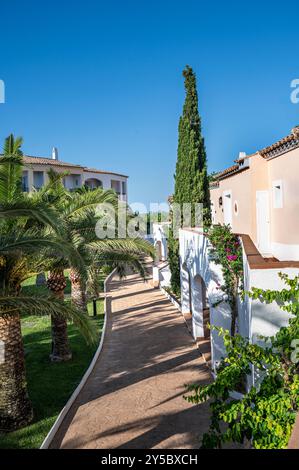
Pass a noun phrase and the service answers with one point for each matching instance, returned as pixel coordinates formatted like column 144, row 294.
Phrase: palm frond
column 122, row 261
column 26, row 207
column 131, row 245
column 82, row 202
column 48, row 305
column 11, row 169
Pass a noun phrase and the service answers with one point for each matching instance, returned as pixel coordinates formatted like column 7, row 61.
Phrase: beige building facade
column 35, row 175
column 259, row 197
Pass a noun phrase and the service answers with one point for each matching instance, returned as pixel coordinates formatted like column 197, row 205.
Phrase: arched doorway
column 201, row 318
column 93, row 183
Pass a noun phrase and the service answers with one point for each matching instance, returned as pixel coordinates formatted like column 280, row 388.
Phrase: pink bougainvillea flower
column 232, row 257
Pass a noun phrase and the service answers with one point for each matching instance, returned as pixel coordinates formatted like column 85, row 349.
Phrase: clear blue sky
column 102, row 80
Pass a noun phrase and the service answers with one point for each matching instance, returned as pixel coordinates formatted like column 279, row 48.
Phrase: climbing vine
column 227, row 251
column 266, row 413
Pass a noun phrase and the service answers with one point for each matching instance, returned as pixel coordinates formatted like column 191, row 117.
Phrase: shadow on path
column 134, row 396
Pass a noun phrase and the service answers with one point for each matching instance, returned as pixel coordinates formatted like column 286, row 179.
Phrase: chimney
column 54, row 153
column 242, row 155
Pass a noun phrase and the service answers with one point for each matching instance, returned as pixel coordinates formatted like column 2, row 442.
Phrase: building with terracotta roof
column 35, row 175
column 259, row 196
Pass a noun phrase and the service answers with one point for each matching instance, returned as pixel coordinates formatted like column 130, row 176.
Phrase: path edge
column 50, row 436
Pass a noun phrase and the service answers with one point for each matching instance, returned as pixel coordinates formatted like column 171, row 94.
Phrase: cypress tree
column 191, row 177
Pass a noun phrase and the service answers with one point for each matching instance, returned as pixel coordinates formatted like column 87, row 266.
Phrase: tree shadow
column 145, row 341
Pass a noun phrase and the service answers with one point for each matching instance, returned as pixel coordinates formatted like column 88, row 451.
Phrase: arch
column 93, row 183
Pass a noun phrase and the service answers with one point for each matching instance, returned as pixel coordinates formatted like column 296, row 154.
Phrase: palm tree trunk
column 78, row 290
column 61, row 351
column 15, row 406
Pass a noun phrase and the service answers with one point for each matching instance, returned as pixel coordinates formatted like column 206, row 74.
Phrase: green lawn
column 50, row 385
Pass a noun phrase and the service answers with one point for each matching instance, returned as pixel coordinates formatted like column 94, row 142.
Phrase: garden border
column 50, row 436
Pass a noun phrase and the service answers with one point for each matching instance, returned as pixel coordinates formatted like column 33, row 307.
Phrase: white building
column 203, row 300
column 36, row 169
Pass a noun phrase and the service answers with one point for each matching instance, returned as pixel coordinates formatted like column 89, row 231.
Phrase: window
column 25, row 185
column 123, row 184
column 115, row 185
column 277, row 194
column 38, row 179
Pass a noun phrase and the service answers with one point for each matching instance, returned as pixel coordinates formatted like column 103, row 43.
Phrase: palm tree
column 71, row 208
column 23, row 237
column 77, row 211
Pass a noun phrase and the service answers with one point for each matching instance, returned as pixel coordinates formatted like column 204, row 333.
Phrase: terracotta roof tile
column 288, row 143
column 48, row 161
column 94, row 170
column 30, row 160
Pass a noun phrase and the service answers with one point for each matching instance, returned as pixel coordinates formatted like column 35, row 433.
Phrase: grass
column 49, row 384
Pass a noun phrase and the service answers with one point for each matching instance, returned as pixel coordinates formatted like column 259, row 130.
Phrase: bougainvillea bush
column 226, row 250
column 265, row 415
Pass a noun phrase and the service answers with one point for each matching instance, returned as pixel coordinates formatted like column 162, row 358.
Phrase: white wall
column 261, row 319
column 70, row 181
column 160, row 236
column 254, row 318
column 195, row 259
column 267, row 319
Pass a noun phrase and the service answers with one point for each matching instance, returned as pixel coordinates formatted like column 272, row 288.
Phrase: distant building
column 36, row 169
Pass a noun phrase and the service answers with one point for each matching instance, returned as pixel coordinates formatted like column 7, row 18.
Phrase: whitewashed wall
column 160, row 236
column 195, row 260
column 161, row 275
column 255, row 319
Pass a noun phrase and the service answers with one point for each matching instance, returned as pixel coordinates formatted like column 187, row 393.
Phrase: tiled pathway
column 134, row 396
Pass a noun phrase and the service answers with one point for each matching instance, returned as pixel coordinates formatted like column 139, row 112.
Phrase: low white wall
column 164, row 276
column 160, row 236
column 254, row 318
column 196, row 261
column 161, row 275
column 267, row 319
column 285, row 252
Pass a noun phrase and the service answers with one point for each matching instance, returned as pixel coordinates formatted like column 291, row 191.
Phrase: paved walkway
column 134, row 396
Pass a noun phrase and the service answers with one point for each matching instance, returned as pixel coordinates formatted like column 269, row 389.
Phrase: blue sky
column 102, row 80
